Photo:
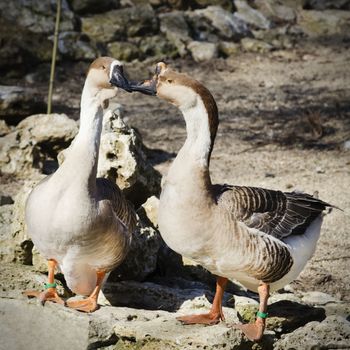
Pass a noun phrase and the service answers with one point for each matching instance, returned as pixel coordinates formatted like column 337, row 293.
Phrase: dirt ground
column 285, row 117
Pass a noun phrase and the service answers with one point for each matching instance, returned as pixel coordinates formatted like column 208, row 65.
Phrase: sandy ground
column 284, row 119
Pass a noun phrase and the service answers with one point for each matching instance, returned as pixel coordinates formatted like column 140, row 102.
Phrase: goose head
column 105, row 74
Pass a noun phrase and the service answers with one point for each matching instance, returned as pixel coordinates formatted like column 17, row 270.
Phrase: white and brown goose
column 260, row 237
column 80, row 223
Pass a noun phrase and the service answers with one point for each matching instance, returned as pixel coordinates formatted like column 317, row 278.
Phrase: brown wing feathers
column 273, row 212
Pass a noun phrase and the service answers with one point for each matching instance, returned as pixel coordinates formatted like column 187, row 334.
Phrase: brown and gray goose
column 80, row 223
column 260, row 237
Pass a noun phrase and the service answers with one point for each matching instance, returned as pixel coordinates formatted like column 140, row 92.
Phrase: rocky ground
column 281, row 80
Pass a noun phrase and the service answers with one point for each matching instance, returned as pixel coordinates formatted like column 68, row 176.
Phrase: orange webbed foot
column 86, row 305
column 49, row 294
column 206, row 319
column 253, row 331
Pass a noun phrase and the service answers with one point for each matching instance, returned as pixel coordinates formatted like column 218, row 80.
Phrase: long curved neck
column 82, row 158
column 192, row 161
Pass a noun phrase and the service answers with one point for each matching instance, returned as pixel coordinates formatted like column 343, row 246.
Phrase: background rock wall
column 219, row 42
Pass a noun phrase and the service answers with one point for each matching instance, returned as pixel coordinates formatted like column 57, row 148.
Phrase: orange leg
column 50, row 294
column 215, row 314
column 89, row 304
column 255, row 331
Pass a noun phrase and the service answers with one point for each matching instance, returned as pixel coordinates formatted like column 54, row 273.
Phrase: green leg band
column 262, row 314
column 50, row 285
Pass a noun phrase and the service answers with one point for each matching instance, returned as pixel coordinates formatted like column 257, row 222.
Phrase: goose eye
column 103, row 67
column 169, row 81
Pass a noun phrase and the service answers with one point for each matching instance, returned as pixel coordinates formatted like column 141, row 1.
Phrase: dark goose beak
column 147, row 87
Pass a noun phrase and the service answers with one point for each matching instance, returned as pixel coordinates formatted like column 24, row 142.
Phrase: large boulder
column 174, row 26
column 122, row 159
column 31, row 149
column 332, row 333
column 328, row 23
column 215, row 20
column 117, row 25
column 253, row 17
column 76, row 46
column 37, row 16
column 18, row 102
column 92, row 6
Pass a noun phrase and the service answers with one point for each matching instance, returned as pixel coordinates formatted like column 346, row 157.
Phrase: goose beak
column 118, row 79
column 149, row 87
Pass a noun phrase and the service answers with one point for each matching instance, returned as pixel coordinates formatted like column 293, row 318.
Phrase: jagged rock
column 92, row 6
column 31, row 149
column 117, row 25
column 6, row 250
column 21, row 48
column 332, row 333
column 76, row 46
column 327, row 4
column 4, row 128
column 229, row 48
column 215, row 20
column 284, row 315
column 325, row 23
column 317, row 298
column 157, row 46
column 203, row 51
column 254, row 45
column 37, row 16
column 176, row 30
column 226, row 4
column 275, row 11
column 16, row 246
column 122, row 159
column 123, row 50
column 142, row 257
column 18, row 102
column 151, row 210
column 251, row 16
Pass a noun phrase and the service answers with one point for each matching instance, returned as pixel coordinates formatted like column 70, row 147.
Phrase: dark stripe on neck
column 212, row 110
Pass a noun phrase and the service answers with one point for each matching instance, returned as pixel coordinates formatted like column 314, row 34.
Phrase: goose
column 82, row 224
column 262, row 238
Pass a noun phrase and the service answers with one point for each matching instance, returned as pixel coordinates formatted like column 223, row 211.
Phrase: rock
column 215, row 20
column 15, row 278
column 225, row 4
column 328, row 23
column 284, row 315
column 150, row 207
column 117, row 25
column 18, row 102
column 142, row 257
column 6, row 248
column 156, row 46
column 276, row 12
column 176, row 30
column 346, row 145
column 92, row 6
column 327, row 4
column 251, row 16
column 4, row 128
column 37, row 16
column 123, row 50
column 76, row 46
column 229, row 48
column 122, row 159
column 21, row 48
column 318, row 298
column 332, row 333
column 254, row 45
column 31, row 149
column 203, row 51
